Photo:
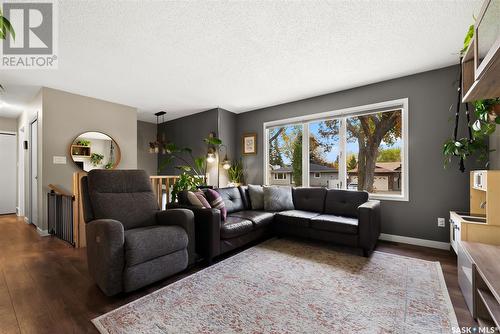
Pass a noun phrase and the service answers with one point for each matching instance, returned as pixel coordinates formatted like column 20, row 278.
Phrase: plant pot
column 494, row 112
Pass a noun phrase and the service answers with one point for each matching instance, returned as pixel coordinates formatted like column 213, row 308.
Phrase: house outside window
column 360, row 148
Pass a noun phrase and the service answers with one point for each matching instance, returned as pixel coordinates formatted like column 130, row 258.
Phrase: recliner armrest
column 105, row 253
column 185, row 219
column 369, row 224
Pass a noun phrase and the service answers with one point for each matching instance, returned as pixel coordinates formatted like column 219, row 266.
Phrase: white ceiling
column 189, row 56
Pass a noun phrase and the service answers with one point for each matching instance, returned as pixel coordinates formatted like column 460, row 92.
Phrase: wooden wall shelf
column 481, row 62
column 80, row 151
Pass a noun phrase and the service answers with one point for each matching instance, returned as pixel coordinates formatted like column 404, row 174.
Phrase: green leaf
column 497, row 120
column 476, row 126
column 184, row 168
column 199, row 163
column 7, row 27
column 213, row 141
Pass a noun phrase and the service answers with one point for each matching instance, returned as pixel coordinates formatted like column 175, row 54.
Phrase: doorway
column 8, row 153
column 33, row 149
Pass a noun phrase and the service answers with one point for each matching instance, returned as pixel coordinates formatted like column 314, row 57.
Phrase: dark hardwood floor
column 45, row 286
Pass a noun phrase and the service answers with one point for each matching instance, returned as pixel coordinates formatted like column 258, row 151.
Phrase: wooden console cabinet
column 480, row 263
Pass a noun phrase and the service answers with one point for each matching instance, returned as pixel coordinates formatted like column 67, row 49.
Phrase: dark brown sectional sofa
column 342, row 217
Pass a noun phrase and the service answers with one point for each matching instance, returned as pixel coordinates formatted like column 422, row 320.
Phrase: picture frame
column 249, row 144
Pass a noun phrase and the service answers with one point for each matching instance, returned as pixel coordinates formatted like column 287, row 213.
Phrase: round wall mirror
column 95, row 150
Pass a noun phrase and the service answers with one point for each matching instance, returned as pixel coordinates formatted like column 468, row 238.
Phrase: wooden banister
column 59, row 191
column 162, row 186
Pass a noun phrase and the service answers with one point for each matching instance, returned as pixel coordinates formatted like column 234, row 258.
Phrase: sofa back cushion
column 309, row 199
column 278, row 198
column 232, row 199
column 123, row 195
column 245, row 196
column 344, row 202
column 256, row 194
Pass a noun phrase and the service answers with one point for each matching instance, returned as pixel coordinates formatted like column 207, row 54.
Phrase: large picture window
column 362, row 148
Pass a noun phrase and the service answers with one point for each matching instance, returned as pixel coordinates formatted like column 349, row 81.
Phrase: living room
column 254, row 166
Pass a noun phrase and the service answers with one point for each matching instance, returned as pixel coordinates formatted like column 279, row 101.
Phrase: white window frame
column 342, row 114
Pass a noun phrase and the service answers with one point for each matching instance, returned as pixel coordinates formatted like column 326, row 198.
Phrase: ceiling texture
column 188, row 56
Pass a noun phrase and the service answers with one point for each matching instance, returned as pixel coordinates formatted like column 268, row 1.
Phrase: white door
column 34, row 172
column 7, row 173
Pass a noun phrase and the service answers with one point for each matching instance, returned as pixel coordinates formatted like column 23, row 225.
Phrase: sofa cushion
column 123, row 195
column 295, row 217
column 215, row 200
column 256, row 194
column 309, row 199
column 245, row 196
column 232, row 199
column 235, row 226
column 278, row 198
column 259, row 218
column 335, row 224
column 147, row 243
column 344, row 202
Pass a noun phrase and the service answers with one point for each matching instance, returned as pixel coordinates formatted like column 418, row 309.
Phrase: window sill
column 398, row 198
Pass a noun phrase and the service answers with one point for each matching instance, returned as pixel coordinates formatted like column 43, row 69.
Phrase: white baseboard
column 42, row 233
column 415, row 241
column 26, row 220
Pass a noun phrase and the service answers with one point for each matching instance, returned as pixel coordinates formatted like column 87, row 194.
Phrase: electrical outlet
column 441, row 222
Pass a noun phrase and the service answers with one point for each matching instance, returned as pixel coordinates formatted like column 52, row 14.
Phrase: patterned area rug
column 284, row 286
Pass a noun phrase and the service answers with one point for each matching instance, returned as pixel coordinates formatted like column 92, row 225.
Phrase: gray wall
column 8, row 124
column 67, row 115
column 433, row 191
column 146, row 132
column 189, row 132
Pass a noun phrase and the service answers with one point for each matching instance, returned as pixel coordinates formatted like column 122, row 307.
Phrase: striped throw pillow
column 201, row 197
column 216, row 201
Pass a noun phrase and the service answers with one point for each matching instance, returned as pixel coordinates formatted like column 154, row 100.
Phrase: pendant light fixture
column 159, row 144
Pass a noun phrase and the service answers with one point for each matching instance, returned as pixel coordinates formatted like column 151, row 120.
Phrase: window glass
column 374, row 152
column 324, row 153
column 285, row 155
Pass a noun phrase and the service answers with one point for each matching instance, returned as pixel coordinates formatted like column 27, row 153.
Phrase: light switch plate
column 441, row 222
column 59, row 160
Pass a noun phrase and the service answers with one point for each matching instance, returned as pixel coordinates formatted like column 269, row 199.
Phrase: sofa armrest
column 105, row 254
column 185, row 219
column 369, row 224
column 207, row 223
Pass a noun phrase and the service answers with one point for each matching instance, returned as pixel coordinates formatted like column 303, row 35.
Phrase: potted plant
column 488, row 110
column 83, row 142
column 5, row 29
column 193, row 169
column 235, row 174
column 96, row 159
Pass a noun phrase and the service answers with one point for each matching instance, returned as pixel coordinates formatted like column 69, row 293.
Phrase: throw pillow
column 193, row 200
column 217, row 202
column 278, row 198
column 201, row 196
column 256, row 194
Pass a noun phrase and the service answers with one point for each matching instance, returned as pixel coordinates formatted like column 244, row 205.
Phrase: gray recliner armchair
column 130, row 242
